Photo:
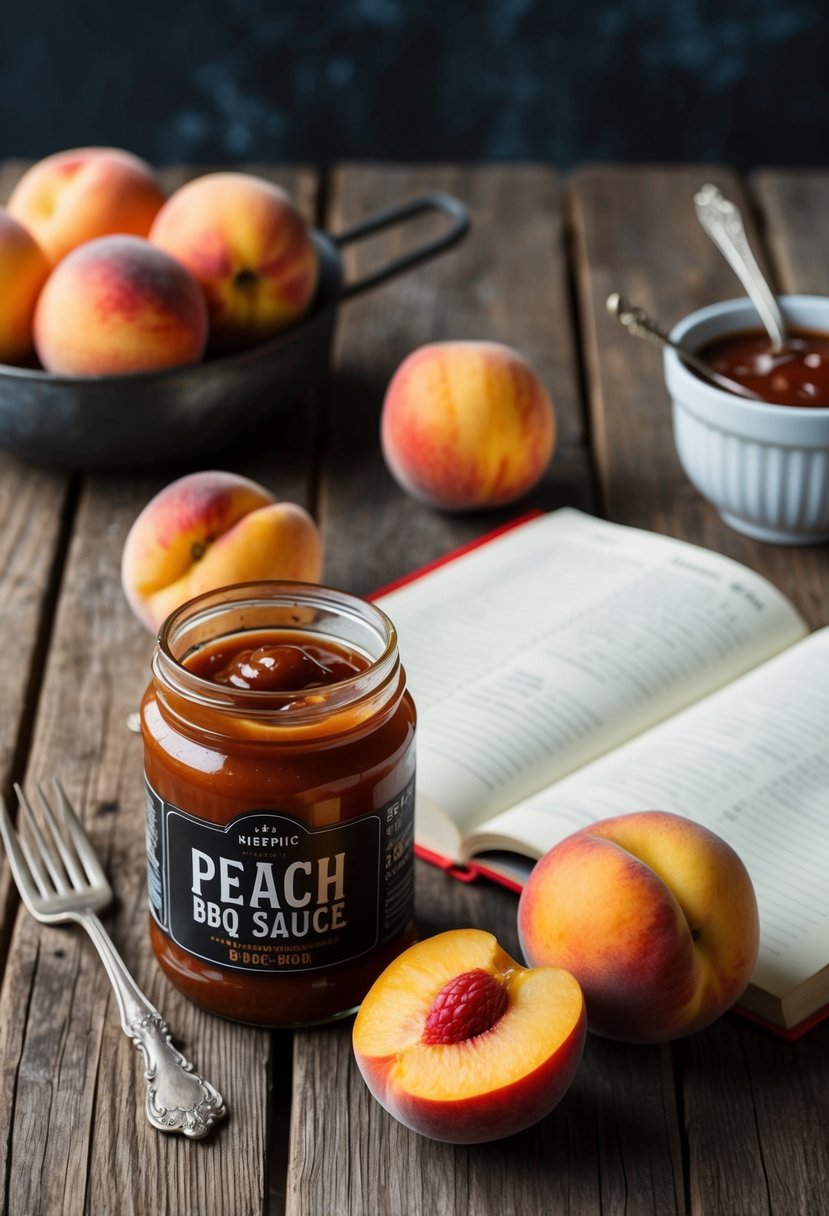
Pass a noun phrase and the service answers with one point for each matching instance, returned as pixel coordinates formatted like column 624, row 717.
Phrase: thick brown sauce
column 268, row 662
column 798, row 375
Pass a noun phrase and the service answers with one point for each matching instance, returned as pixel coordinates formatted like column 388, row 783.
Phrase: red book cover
column 472, row 870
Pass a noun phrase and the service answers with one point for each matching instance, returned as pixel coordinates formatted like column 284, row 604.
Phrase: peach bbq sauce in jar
column 279, row 761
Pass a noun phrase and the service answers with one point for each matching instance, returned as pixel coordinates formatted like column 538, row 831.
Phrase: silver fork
column 60, row 879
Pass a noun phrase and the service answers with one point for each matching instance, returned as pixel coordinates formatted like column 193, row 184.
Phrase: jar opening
column 306, row 609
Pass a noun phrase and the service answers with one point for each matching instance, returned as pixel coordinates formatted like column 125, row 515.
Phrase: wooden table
column 729, row 1121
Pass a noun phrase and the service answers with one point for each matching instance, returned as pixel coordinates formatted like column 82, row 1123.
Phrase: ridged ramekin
column 764, row 467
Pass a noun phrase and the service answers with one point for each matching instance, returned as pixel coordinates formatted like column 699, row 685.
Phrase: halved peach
column 208, row 530
column 460, row 1043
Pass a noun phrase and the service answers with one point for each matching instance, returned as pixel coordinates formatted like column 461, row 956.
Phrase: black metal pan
column 173, row 415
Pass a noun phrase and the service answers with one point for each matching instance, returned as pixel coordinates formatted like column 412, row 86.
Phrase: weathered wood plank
column 77, row 1139
column 636, row 233
column 489, row 287
column 33, row 506
column 777, row 1109
column 756, row 1112
column 793, row 214
column 612, row 1145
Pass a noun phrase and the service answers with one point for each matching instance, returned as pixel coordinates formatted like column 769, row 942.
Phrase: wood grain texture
column 35, row 509
column 613, row 1144
column 792, row 205
column 35, row 506
column 78, row 1097
column 766, row 1149
column 756, row 1113
column 793, row 212
column 77, row 1138
column 729, row 1121
column 637, row 233
column 506, row 282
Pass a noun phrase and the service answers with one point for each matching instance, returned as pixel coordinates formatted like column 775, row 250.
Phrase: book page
column 750, row 762
column 549, row 645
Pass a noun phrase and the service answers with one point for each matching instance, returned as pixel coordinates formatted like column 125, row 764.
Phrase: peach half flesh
column 460, row 1043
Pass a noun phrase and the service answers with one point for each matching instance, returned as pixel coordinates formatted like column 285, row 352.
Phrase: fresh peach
column 466, row 425
column 250, row 249
column 118, row 305
column 209, row 530
column 24, row 269
column 460, row 1043
column 75, row 196
column 654, row 915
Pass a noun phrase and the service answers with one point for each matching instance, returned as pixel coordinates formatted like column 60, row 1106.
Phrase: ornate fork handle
column 178, row 1099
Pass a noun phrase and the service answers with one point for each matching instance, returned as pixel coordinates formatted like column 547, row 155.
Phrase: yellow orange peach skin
column 467, row 425
column 249, row 248
column 654, row 915
column 209, row 530
column 24, row 269
column 118, row 305
column 78, row 195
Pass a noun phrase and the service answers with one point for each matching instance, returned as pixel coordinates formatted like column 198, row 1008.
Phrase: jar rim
column 276, row 593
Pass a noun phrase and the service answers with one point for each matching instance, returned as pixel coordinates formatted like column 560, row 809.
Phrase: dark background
column 282, row 80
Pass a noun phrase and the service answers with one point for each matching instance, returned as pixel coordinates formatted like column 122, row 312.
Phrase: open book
column 570, row 669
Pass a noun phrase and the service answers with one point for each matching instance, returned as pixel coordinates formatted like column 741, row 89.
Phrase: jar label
column 267, row 893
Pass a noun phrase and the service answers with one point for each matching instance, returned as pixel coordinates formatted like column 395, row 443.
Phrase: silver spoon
column 722, row 221
column 642, row 325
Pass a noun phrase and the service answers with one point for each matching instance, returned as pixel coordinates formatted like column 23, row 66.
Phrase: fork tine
column 36, row 870
column 67, row 856
column 44, row 856
column 83, row 845
column 22, row 872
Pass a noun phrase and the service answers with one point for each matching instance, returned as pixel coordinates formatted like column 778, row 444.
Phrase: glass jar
column 280, row 824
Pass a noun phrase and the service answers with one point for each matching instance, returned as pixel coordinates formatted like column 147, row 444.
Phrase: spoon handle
column 642, row 325
column 722, row 221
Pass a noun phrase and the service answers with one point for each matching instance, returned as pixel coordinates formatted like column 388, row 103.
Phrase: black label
column 267, row 893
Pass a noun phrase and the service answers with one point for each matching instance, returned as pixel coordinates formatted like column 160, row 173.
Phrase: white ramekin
column 764, row 467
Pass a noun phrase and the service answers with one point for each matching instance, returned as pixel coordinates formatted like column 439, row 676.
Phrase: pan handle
column 436, row 201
